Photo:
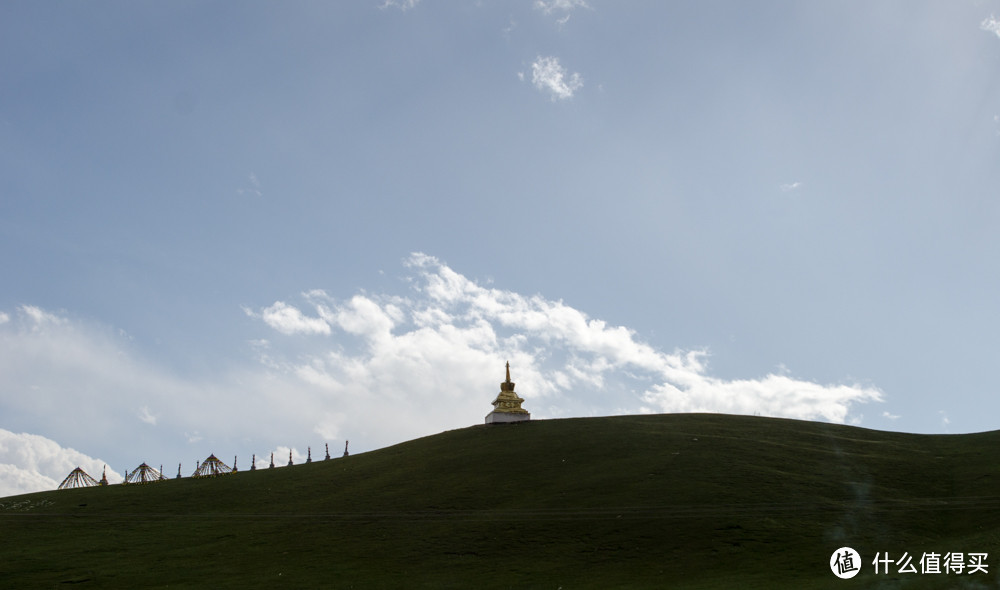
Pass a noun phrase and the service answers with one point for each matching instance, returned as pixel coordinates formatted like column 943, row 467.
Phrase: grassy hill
column 665, row 501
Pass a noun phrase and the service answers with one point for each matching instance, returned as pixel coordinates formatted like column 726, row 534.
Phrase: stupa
column 507, row 405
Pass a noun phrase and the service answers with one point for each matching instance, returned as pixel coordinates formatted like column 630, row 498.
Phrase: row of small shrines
column 506, row 408
column 211, row 467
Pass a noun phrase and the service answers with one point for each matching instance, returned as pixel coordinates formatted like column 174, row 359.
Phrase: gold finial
column 507, row 385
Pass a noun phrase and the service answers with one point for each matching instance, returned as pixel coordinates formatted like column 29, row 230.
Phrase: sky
column 238, row 228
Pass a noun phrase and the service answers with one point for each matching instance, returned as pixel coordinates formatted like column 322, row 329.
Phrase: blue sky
column 238, row 228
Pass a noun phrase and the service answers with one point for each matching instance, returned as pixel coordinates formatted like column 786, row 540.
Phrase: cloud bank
column 375, row 368
column 29, row 463
column 452, row 334
column 76, row 384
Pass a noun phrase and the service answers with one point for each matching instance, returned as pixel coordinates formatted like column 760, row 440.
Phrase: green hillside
column 665, row 501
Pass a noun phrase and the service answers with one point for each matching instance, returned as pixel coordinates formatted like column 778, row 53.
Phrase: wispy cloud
column 791, row 186
column 560, row 7
column 403, row 5
column 548, row 75
column 507, row 30
column 254, row 188
column 146, row 416
column 40, row 318
column 991, row 24
column 551, row 6
column 81, row 383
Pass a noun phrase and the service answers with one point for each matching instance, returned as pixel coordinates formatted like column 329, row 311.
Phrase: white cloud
column 289, row 320
column 4, row 318
column 549, row 76
column 564, row 7
column 31, row 463
column 889, row 416
column 773, row 395
column 991, row 24
column 791, row 186
column 455, row 334
column 82, row 383
column 945, row 422
column 146, row 416
column 40, row 318
column 254, row 187
column 551, row 6
column 511, row 25
column 403, row 5
column 15, row 480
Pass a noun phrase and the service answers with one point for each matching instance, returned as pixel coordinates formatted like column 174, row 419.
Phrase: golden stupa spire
column 507, row 385
column 507, row 405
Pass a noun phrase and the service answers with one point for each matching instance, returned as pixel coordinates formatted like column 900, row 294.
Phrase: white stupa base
column 504, row 417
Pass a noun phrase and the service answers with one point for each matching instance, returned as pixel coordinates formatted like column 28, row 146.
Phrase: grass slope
column 679, row 501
